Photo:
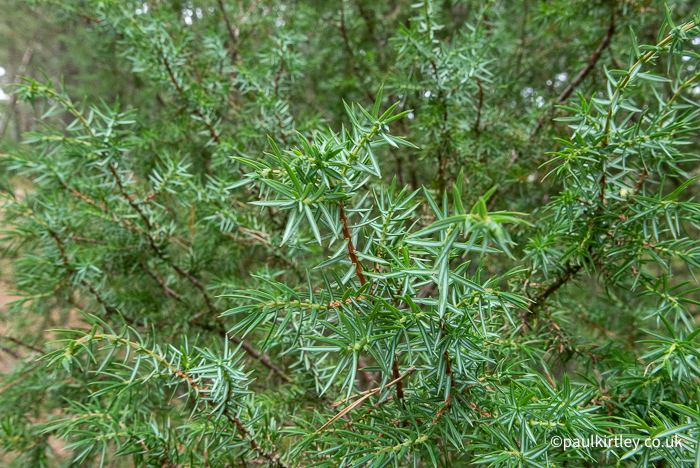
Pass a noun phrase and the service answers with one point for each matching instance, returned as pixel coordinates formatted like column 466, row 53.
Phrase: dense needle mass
column 349, row 234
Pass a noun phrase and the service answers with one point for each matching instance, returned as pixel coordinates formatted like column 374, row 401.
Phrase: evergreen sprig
column 458, row 269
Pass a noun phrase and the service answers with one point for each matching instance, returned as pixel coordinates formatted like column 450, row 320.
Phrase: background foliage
column 349, row 233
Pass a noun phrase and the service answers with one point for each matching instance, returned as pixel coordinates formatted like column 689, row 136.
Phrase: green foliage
column 482, row 255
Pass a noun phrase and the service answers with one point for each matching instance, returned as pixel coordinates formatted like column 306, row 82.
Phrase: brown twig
column 19, row 342
column 441, row 412
column 592, row 60
column 578, row 79
column 160, row 281
column 480, row 410
column 638, row 186
column 25, row 375
column 399, row 384
column 351, row 247
column 198, row 111
column 603, row 185
column 539, row 300
column 243, row 432
column 568, row 274
column 70, row 270
column 233, row 33
column 89, row 19
column 264, row 359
